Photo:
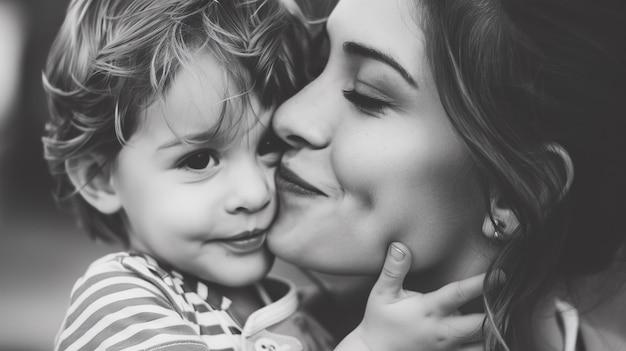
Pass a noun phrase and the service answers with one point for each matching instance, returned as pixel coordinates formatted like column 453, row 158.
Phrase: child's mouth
column 245, row 242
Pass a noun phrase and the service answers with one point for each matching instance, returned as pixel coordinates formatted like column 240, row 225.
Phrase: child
column 160, row 139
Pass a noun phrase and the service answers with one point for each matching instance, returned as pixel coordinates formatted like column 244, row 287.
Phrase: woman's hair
column 113, row 58
column 516, row 78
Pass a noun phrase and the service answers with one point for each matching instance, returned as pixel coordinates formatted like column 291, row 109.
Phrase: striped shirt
column 129, row 302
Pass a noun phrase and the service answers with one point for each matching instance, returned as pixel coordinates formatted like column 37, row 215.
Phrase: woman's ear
column 500, row 223
column 92, row 178
column 566, row 166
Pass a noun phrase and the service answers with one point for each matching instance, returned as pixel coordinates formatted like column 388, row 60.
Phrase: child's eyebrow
column 195, row 138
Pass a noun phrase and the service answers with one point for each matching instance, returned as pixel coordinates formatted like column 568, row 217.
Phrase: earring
column 494, row 229
column 498, row 227
column 496, row 235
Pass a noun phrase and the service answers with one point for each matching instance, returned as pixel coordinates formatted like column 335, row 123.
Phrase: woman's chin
column 328, row 261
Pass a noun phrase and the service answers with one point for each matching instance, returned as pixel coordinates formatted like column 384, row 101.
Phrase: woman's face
column 375, row 158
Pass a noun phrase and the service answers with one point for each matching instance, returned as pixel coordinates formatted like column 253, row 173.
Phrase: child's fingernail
column 396, row 253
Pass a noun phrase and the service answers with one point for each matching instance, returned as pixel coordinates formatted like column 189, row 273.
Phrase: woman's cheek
column 360, row 160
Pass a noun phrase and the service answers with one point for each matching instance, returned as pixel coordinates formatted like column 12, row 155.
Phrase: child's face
column 195, row 206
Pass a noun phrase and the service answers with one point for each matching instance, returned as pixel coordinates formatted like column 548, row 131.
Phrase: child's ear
column 92, row 177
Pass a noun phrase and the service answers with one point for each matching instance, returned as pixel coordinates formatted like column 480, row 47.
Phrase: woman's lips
column 288, row 181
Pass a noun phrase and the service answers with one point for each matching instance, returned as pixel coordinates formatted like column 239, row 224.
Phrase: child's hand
column 398, row 320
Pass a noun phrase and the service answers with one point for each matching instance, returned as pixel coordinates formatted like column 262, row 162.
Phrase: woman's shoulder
column 601, row 304
column 586, row 314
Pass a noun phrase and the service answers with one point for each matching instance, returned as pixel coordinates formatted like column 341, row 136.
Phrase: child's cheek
column 188, row 210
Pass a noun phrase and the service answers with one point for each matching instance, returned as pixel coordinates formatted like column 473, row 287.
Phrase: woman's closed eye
column 366, row 103
column 198, row 161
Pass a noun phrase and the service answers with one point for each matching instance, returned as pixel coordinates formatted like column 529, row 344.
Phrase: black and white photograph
column 312, row 175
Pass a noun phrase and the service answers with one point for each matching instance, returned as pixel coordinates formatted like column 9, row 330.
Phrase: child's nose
column 251, row 191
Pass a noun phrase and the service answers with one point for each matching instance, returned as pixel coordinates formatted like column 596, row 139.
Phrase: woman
column 456, row 127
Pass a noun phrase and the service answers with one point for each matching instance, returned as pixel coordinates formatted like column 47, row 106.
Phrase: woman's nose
column 250, row 190
column 302, row 122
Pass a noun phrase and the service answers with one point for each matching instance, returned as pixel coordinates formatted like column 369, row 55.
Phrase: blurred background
column 42, row 251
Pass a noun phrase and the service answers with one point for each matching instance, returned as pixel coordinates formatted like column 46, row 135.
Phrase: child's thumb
column 396, row 266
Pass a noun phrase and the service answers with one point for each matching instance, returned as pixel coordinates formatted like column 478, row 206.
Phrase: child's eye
column 365, row 103
column 271, row 146
column 198, row 160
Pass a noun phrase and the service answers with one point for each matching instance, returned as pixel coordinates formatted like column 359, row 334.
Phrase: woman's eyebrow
column 353, row 48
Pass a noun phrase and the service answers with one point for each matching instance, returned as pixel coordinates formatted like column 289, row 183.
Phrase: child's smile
column 197, row 188
column 245, row 242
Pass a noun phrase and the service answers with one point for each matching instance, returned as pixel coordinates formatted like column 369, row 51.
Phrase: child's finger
column 454, row 295
column 465, row 329
column 395, row 268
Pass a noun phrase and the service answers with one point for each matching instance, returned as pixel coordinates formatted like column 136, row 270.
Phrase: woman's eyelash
column 365, row 102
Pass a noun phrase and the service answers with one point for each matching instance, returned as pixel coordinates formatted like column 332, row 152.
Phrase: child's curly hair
column 113, row 58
